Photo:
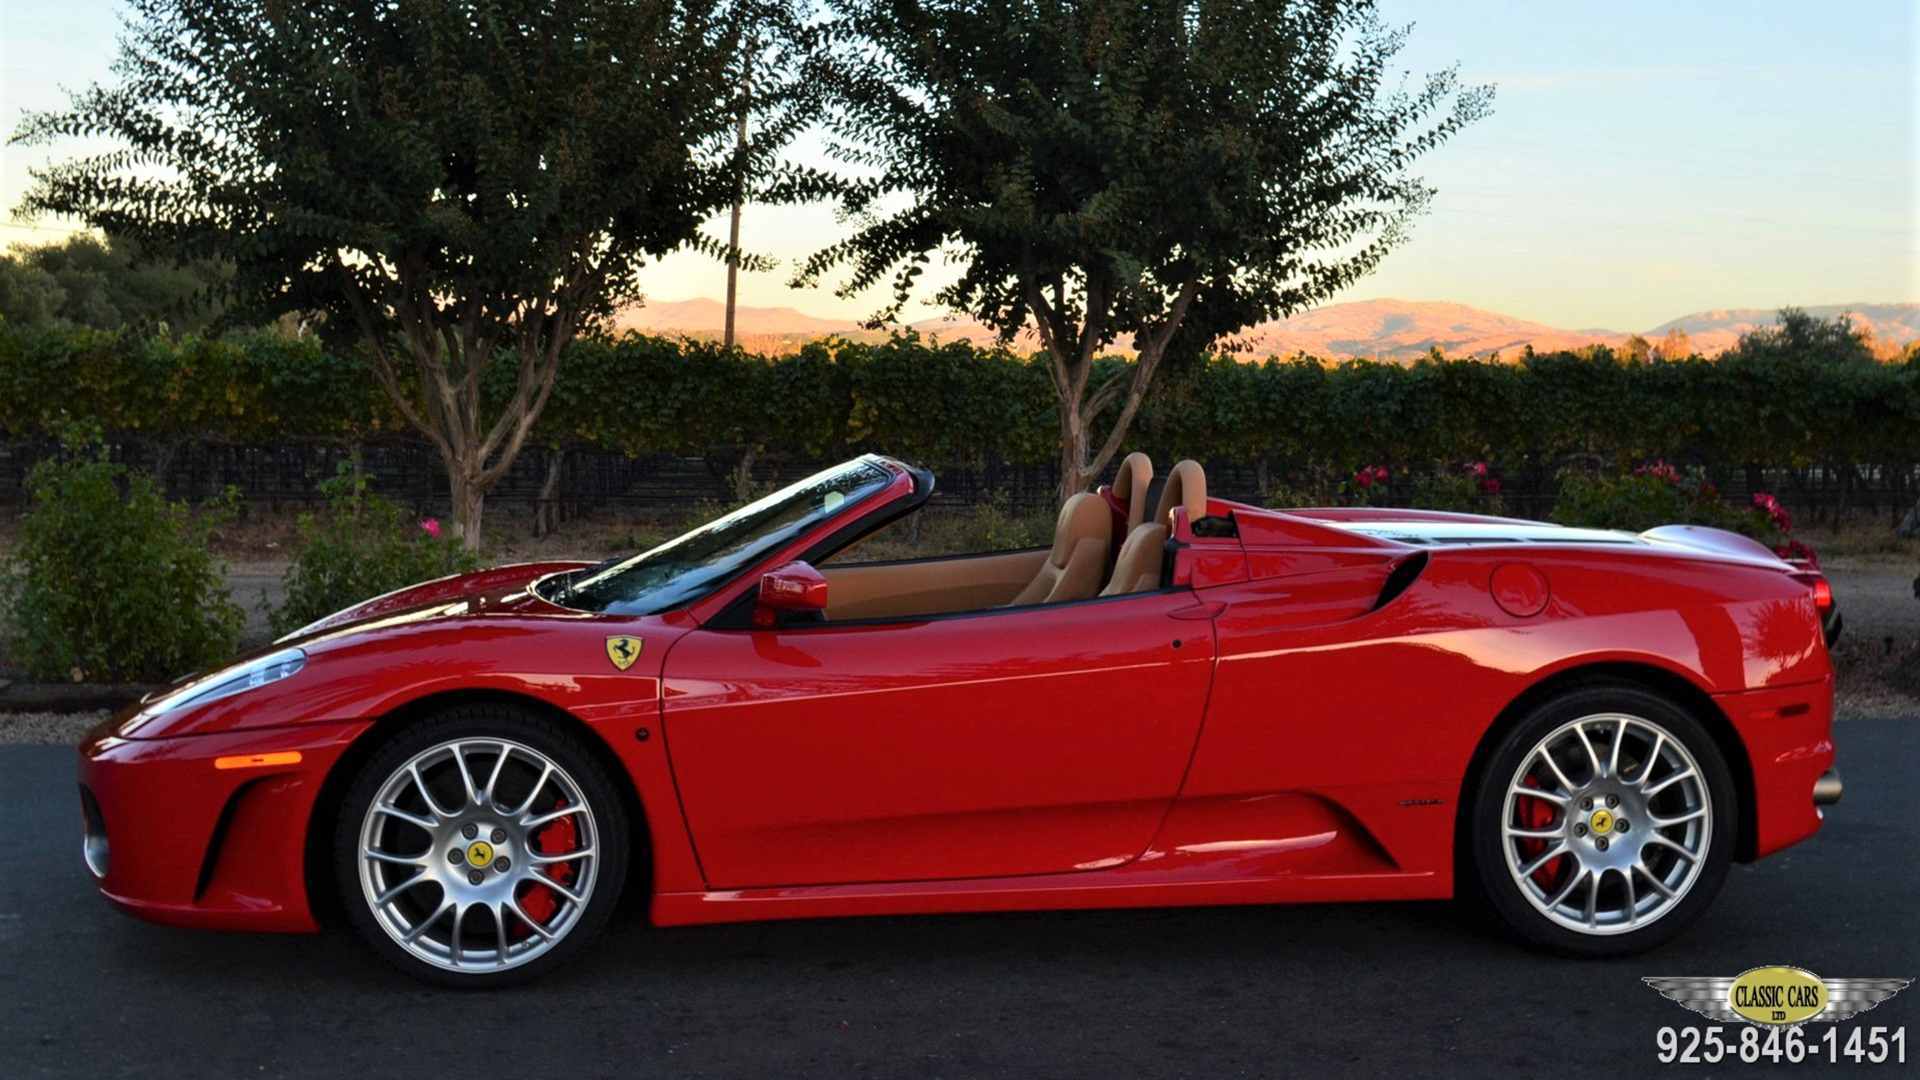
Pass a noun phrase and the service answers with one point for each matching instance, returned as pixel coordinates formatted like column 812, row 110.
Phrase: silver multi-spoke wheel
column 1606, row 824
column 477, row 855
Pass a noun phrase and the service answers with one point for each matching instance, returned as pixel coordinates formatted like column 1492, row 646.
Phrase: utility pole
column 739, row 192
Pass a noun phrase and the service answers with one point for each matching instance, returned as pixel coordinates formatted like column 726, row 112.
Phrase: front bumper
column 171, row 838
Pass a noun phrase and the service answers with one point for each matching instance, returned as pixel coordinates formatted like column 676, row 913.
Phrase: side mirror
column 793, row 587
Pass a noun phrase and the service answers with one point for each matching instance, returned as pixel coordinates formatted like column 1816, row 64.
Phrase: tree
column 1172, row 170
column 453, row 185
column 108, row 284
column 1804, row 338
column 1677, row 345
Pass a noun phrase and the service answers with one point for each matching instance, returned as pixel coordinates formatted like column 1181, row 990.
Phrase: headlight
column 228, row 682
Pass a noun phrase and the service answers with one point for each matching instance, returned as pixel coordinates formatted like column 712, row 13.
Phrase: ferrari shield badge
column 623, row 650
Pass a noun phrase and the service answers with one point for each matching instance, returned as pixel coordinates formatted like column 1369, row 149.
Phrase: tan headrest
column 1084, row 517
column 1130, row 486
column 1138, row 567
column 1186, row 486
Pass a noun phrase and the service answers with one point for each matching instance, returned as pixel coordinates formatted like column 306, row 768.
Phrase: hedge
column 957, row 405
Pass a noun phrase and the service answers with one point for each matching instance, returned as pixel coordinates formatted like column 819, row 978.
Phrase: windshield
column 686, row 568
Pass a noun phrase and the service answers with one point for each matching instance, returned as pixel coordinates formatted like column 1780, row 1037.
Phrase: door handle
column 1205, row 609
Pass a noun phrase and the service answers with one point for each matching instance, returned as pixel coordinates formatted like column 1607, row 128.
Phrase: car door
column 1036, row 740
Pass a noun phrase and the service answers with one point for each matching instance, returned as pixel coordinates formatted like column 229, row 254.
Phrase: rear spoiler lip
column 1720, row 543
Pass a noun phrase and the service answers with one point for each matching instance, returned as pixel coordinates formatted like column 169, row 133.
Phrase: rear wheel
column 481, row 847
column 1604, row 822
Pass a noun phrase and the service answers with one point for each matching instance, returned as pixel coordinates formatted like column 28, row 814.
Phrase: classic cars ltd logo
column 623, row 650
column 1777, row 995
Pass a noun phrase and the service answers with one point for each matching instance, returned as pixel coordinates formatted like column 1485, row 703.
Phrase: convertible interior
column 1105, row 543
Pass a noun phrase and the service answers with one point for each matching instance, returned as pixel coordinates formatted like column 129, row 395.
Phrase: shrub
column 1469, row 489
column 1653, row 494
column 109, row 580
column 360, row 546
column 1657, row 493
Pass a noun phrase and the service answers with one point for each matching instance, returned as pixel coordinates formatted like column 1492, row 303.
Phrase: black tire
column 605, row 815
column 1507, row 894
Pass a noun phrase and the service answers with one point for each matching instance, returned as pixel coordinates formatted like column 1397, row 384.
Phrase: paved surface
column 1384, row 989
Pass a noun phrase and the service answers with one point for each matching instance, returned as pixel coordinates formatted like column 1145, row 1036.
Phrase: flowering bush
column 1471, row 488
column 1658, row 493
column 360, row 546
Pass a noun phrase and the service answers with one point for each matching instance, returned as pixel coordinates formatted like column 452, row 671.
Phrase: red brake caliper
column 1539, row 814
column 556, row 839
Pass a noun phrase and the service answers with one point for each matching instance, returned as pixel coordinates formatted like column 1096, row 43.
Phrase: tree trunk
column 546, row 506
column 469, row 500
column 1073, row 451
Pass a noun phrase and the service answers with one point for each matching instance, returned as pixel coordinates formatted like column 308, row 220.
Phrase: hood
column 500, row 590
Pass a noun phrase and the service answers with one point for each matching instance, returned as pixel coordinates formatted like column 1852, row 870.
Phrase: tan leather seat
column 1141, row 557
column 1130, row 486
column 1074, row 568
column 1186, row 486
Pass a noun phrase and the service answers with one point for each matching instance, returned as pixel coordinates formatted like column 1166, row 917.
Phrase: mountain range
column 1387, row 329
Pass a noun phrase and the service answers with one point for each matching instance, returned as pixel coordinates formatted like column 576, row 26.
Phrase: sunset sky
column 1644, row 159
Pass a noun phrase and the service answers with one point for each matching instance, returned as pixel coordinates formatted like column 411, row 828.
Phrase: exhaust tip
column 1826, row 790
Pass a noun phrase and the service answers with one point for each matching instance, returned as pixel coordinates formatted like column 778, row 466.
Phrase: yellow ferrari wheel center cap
column 479, row 853
column 1602, row 822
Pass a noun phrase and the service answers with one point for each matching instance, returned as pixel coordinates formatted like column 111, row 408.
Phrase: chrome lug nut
column 502, row 865
column 1622, row 826
column 1586, row 804
column 1613, row 800
column 1580, row 829
column 454, row 856
column 499, row 836
column 470, row 831
column 476, row 878
column 1601, row 843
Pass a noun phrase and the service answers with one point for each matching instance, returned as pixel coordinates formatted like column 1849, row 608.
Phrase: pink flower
column 1770, row 506
column 1364, row 478
column 1479, row 468
column 1659, row 470
column 431, row 527
column 1490, row 486
column 1379, row 472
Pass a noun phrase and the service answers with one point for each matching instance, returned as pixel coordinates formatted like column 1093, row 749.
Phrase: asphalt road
column 1382, row 989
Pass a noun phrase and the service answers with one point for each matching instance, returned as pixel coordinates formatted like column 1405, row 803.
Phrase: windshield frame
column 902, row 481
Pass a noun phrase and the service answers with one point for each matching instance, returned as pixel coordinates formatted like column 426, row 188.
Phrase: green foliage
column 995, row 526
column 108, row 580
column 1168, row 171
column 1470, row 488
column 1312, row 421
column 457, row 187
column 82, row 282
column 361, row 546
column 1656, row 494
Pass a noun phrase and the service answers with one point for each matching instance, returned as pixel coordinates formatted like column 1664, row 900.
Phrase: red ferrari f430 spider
column 1182, row 700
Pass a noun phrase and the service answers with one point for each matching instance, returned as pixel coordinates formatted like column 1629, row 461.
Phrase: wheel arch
column 1676, row 688
column 323, row 900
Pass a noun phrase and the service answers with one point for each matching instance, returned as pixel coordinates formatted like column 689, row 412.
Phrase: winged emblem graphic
column 1711, row 995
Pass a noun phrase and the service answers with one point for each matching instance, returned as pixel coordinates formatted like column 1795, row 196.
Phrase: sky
column 1644, row 159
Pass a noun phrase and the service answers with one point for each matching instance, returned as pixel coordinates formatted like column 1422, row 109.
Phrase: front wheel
column 1603, row 823
column 481, row 847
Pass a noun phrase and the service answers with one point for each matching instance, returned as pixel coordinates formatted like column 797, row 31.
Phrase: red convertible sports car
column 1182, row 700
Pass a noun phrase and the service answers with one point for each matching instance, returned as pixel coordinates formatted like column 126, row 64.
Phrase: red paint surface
column 1302, row 742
